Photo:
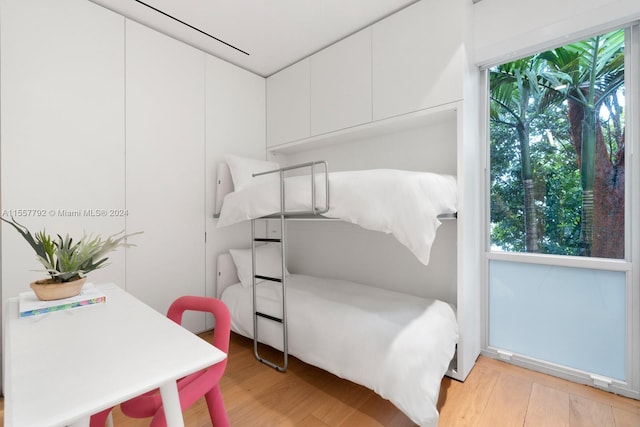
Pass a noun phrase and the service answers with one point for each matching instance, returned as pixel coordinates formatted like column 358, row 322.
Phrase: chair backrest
column 220, row 312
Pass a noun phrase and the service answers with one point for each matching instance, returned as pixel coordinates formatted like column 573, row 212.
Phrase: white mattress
column 398, row 345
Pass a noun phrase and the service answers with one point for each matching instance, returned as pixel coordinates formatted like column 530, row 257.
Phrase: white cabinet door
column 235, row 123
column 341, row 84
column 288, row 104
column 418, row 58
column 62, row 151
column 165, row 98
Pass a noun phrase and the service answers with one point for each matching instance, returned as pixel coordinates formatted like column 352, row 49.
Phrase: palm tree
column 512, row 86
column 588, row 75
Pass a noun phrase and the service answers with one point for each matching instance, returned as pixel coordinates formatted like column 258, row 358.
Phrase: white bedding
column 403, row 203
column 398, row 345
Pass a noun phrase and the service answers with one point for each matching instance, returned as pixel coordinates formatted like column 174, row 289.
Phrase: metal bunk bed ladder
column 258, row 314
column 282, row 215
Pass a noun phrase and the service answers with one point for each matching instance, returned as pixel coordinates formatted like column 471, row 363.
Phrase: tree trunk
column 608, row 192
column 531, row 242
column 607, row 235
column 531, row 230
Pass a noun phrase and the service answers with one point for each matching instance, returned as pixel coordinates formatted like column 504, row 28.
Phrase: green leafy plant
column 65, row 260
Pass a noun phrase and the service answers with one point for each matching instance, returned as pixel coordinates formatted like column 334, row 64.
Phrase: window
column 557, row 131
column 563, row 244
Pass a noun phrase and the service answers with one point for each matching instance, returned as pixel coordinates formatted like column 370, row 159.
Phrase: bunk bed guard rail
column 314, row 209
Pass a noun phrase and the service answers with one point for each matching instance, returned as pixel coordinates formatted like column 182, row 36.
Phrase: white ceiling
column 268, row 35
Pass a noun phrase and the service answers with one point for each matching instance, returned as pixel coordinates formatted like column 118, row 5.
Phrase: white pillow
column 242, row 169
column 267, row 262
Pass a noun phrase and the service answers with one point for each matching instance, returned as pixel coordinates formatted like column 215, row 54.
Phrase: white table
column 62, row 367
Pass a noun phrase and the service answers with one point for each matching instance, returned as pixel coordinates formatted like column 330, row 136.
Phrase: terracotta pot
column 47, row 290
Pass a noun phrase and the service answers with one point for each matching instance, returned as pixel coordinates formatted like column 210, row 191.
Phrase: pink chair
column 192, row 387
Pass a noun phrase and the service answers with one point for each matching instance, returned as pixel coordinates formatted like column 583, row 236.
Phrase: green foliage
column 556, row 186
column 533, row 94
column 65, row 260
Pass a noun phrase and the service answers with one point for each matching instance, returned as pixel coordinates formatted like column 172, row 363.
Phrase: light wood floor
column 495, row 394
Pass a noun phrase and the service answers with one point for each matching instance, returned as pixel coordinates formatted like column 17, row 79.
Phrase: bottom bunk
column 398, row 345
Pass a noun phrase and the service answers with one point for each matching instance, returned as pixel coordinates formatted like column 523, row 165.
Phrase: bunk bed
column 407, row 204
column 396, row 344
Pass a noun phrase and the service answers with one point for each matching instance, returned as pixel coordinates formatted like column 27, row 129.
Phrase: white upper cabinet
column 341, row 84
column 413, row 60
column 288, row 104
column 418, row 58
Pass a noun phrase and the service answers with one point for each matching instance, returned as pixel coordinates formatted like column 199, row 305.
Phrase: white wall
column 505, row 29
column 165, row 147
column 62, row 127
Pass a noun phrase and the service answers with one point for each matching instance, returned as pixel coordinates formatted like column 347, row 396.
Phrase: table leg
column 171, row 404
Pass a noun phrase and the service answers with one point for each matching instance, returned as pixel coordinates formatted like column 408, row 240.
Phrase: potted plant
column 68, row 262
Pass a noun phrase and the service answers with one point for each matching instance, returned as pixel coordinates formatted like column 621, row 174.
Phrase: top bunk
column 410, row 205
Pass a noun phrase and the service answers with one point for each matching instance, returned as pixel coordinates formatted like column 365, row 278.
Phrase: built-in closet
column 102, row 113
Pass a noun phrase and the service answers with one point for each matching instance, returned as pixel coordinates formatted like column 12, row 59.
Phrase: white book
column 30, row 305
